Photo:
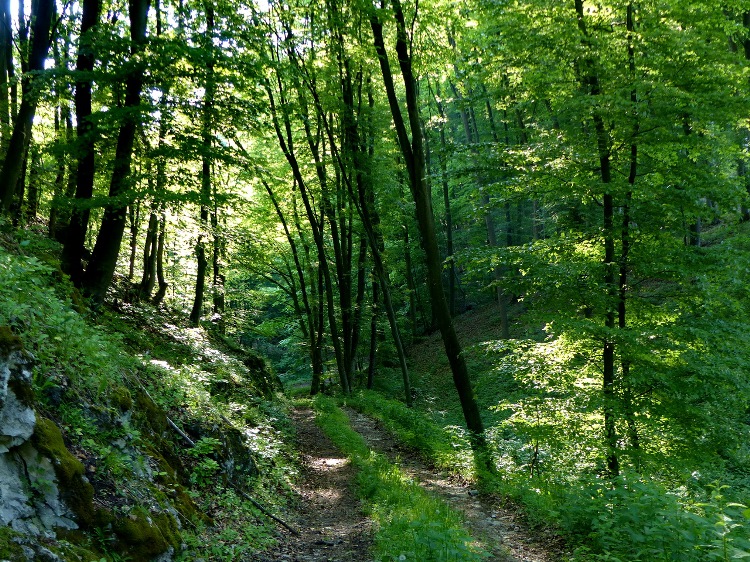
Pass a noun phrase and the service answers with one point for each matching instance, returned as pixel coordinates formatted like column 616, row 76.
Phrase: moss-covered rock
column 75, row 490
column 142, row 535
column 122, row 398
column 9, row 549
column 150, row 413
column 9, row 341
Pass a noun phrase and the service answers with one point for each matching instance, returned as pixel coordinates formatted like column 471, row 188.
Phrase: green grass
column 410, row 524
column 446, row 447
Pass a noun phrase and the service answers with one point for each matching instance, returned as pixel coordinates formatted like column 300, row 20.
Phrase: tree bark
column 206, row 163
column 75, row 236
column 285, row 139
column 101, row 269
column 31, row 85
column 414, row 157
column 590, row 83
column 163, row 285
column 6, row 62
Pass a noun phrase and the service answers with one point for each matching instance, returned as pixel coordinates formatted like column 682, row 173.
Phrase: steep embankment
column 128, row 435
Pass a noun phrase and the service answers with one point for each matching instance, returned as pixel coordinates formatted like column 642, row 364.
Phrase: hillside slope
column 131, row 435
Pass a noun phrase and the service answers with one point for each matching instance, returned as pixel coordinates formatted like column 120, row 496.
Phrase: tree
column 31, row 85
column 100, row 271
column 75, row 235
column 206, row 192
column 414, row 158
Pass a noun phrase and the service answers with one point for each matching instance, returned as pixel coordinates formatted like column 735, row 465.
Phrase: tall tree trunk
column 207, row 161
column 633, row 435
column 6, row 63
column 101, row 269
column 414, row 157
column 310, row 319
column 148, row 280
column 742, row 168
column 373, row 335
column 32, row 200
column 217, row 279
column 356, row 156
column 590, row 83
column 75, row 237
column 285, row 139
column 163, row 285
column 134, row 213
column 59, row 216
column 31, row 85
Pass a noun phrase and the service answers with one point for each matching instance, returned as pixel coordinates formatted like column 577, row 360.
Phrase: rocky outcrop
column 30, row 500
column 44, row 492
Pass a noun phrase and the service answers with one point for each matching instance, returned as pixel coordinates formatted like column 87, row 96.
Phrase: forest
column 512, row 234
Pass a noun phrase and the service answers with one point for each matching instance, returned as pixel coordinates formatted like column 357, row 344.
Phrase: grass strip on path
column 410, row 523
column 447, row 448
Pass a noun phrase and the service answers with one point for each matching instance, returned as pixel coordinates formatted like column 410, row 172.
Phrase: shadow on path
column 329, row 516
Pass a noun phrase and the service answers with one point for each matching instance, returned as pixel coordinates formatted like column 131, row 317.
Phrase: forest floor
column 329, row 517
column 333, row 527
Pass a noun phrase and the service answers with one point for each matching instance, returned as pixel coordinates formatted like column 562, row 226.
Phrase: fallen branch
column 263, row 510
column 178, row 430
column 231, row 482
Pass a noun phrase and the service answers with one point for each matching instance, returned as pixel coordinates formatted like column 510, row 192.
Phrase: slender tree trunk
column 217, row 283
column 310, row 319
column 443, row 157
column 633, row 435
column 6, row 62
column 163, row 285
column 285, row 139
column 742, row 169
column 134, row 213
column 59, row 216
column 590, row 82
column 364, row 200
column 148, row 280
column 373, row 335
column 31, row 85
column 414, row 157
column 207, row 161
column 75, row 236
column 98, row 275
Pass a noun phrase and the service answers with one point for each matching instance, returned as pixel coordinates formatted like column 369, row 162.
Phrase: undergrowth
column 411, row 525
column 630, row 519
column 109, row 382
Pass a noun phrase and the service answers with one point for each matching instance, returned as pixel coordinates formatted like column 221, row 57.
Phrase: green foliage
column 206, row 469
column 66, row 349
column 446, row 447
column 411, row 524
column 637, row 520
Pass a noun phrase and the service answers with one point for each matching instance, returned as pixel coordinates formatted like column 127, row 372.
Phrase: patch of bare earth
column 497, row 528
column 329, row 518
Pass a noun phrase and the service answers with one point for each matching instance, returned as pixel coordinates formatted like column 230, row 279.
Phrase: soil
column 330, row 519
column 329, row 516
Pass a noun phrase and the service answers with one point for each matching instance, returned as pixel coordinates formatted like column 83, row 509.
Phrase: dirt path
column 329, row 517
column 499, row 530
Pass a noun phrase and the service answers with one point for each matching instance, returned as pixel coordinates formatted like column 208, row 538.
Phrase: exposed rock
column 30, row 501
column 16, row 416
column 16, row 427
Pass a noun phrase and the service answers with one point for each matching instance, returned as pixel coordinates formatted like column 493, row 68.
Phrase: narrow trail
column 500, row 530
column 329, row 516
